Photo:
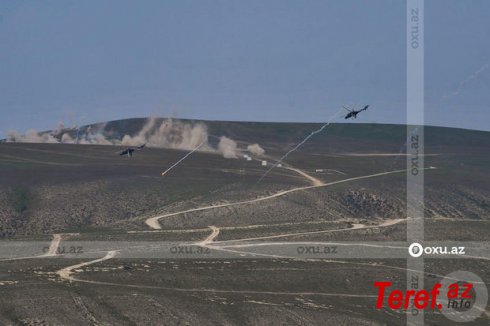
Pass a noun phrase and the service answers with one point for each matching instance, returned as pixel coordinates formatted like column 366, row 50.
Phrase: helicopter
column 129, row 151
column 353, row 113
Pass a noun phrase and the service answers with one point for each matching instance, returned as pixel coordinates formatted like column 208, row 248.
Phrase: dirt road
column 66, row 273
column 152, row 222
column 354, row 227
column 211, row 237
column 53, row 247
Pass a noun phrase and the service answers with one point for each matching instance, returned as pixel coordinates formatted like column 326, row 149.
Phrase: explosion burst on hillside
column 168, row 133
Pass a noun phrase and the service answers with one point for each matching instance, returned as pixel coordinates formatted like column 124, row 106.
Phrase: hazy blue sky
column 237, row 60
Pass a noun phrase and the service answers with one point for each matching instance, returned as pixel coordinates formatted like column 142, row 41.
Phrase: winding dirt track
column 66, row 273
column 354, row 227
column 153, row 223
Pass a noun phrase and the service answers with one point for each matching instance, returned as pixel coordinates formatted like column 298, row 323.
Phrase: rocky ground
column 91, row 195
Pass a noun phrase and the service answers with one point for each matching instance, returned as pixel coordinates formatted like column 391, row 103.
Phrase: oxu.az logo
column 416, row 250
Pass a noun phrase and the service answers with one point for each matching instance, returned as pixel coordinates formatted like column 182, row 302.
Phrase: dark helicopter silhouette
column 129, row 151
column 353, row 113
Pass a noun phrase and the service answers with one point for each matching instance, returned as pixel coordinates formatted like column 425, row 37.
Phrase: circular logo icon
column 461, row 309
column 415, row 250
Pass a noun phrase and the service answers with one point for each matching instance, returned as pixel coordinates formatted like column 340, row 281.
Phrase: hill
column 49, row 188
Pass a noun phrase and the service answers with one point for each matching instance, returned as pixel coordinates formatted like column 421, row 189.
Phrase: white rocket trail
column 299, row 145
column 467, row 80
column 183, row 158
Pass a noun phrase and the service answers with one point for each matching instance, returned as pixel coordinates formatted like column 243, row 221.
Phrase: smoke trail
column 299, row 145
column 463, row 83
column 183, row 158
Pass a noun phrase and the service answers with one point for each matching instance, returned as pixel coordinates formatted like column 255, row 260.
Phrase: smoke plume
column 256, row 149
column 227, row 147
column 169, row 133
column 30, row 136
column 67, row 139
column 60, row 134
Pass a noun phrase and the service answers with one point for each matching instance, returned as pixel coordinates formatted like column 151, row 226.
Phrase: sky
column 268, row 60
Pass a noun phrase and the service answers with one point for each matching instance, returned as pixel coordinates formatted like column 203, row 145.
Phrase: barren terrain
column 97, row 236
